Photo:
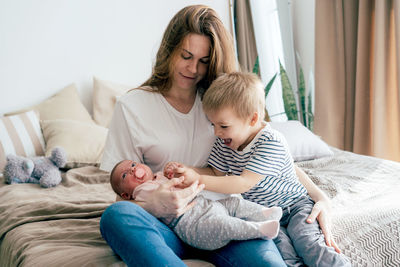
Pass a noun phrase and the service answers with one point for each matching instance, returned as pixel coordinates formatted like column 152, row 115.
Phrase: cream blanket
column 56, row 226
column 365, row 193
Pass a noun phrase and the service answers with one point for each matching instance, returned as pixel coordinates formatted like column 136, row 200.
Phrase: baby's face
column 131, row 174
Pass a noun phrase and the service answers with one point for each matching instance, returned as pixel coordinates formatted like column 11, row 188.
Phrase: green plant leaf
column 269, row 85
column 302, row 97
column 288, row 95
column 256, row 68
column 277, row 114
column 310, row 115
column 304, row 112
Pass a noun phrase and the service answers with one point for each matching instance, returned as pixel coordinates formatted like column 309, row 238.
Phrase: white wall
column 47, row 44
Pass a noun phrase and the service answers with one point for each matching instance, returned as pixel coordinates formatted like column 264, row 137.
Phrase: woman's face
column 191, row 62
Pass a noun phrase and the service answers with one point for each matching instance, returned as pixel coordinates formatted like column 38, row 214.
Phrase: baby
column 209, row 224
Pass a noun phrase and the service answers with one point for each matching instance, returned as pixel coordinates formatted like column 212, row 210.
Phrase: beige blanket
column 56, row 226
column 60, row 226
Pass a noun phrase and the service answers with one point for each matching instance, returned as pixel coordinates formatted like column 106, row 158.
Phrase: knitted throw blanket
column 365, row 193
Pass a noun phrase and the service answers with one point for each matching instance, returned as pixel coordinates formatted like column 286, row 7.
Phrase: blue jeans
column 142, row 240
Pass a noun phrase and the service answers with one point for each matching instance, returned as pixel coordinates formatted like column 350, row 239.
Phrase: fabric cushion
column 303, row 144
column 105, row 94
column 84, row 142
column 65, row 104
column 20, row 135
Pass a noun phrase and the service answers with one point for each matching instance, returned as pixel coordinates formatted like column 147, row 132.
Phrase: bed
column 59, row 226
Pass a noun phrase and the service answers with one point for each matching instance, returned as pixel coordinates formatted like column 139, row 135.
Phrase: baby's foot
column 270, row 229
column 273, row 213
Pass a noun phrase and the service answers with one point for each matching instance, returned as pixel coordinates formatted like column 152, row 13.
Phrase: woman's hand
column 321, row 212
column 166, row 202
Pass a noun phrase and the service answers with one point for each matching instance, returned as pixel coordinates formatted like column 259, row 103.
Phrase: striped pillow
column 20, row 135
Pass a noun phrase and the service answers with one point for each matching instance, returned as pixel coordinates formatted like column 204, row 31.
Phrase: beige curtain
column 245, row 40
column 357, row 71
column 246, row 43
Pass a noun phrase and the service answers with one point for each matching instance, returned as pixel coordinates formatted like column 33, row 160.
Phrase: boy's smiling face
column 235, row 132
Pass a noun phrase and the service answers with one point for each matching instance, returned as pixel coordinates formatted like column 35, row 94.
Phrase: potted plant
column 303, row 113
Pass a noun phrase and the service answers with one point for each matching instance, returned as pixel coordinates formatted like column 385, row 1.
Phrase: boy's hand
column 170, row 169
column 190, row 175
column 320, row 212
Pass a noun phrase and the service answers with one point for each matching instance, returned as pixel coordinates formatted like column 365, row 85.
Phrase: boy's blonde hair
column 241, row 91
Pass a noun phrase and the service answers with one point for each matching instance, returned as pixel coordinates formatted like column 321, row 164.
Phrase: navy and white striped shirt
column 267, row 154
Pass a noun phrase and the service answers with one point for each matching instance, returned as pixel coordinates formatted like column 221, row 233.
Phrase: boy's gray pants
column 302, row 243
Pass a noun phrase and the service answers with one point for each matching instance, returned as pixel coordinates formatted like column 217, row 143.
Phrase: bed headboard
column 46, row 45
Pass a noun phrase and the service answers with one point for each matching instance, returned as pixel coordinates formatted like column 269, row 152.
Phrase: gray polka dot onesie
column 211, row 224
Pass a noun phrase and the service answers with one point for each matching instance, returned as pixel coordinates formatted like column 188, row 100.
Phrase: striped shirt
column 267, row 154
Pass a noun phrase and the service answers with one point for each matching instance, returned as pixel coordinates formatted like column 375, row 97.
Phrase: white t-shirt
column 147, row 129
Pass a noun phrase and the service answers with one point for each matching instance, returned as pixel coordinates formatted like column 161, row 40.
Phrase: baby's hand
column 170, row 169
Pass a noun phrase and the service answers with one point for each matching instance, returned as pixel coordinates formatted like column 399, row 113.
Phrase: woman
column 162, row 121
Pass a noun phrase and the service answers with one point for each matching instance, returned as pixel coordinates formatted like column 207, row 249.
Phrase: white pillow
column 20, row 135
column 303, row 144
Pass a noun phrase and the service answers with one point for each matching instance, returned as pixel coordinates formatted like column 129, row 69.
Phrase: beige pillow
column 66, row 104
column 84, row 142
column 20, row 135
column 105, row 94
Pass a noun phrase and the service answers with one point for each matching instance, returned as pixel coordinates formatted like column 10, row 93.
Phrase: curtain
column 258, row 33
column 357, row 70
column 246, row 43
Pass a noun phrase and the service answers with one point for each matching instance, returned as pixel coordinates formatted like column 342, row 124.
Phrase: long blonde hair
column 198, row 19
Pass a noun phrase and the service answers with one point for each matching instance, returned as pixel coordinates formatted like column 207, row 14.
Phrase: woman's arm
column 321, row 209
column 164, row 202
